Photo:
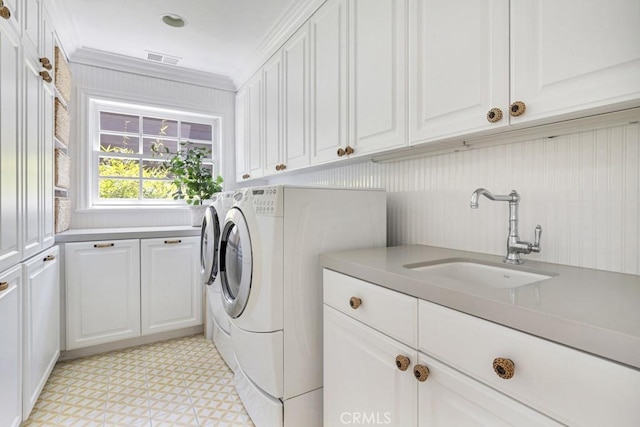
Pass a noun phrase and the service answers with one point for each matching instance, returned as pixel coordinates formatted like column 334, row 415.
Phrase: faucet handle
column 536, row 244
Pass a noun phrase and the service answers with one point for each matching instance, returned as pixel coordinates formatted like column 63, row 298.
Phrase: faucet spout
column 512, row 197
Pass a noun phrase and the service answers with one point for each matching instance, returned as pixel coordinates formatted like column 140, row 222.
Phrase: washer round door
column 236, row 263
column 209, row 245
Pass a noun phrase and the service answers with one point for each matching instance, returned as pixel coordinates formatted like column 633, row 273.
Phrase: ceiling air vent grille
column 162, row 58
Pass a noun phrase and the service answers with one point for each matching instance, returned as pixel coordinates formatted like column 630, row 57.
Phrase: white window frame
column 98, row 105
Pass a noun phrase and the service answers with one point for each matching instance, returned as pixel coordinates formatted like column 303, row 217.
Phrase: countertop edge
column 89, row 234
column 609, row 344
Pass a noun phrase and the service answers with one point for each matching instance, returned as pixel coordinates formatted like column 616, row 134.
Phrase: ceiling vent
column 162, row 58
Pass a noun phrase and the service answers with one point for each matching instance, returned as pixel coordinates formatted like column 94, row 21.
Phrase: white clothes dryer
column 216, row 320
column 272, row 289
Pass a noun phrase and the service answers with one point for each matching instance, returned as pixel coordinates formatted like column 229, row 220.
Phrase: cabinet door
column 272, row 75
column 31, row 24
column 255, row 122
column 31, row 153
column 41, row 299
column 328, row 75
column 11, row 347
column 573, row 55
column 46, row 166
column 459, row 67
column 449, row 398
column 103, row 292
column 10, row 211
column 170, row 284
column 242, row 148
column 295, row 58
column 377, row 75
column 362, row 384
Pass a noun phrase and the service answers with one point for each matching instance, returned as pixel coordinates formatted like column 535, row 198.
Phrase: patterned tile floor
column 181, row 382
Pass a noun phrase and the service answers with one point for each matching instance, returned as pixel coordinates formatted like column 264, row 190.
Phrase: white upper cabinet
column 38, row 95
column 377, row 74
column 32, row 137
column 459, row 67
column 272, row 81
column 242, row 149
column 31, row 24
column 295, row 98
column 386, row 73
column 255, row 123
column 480, row 65
column 574, row 55
column 249, row 139
column 10, row 209
column 328, row 75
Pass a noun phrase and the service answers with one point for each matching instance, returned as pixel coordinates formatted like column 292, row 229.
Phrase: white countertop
column 89, row 234
column 592, row 310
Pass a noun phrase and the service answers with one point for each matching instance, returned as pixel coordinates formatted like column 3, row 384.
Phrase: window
column 129, row 151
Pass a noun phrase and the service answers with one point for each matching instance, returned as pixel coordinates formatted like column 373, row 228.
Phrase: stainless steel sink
column 478, row 273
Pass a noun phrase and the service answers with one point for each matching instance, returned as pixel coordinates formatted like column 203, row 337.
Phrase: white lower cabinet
column 448, row 398
column 103, row 291
column 123, row 289
column 449, row 378
column 11, row 347
column 41, row 298
column 361, row 382
column 170, row 285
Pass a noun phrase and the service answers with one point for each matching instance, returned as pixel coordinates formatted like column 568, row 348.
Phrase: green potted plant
column 193, row 181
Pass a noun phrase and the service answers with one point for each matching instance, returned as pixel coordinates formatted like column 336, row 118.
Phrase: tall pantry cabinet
column 29, row 279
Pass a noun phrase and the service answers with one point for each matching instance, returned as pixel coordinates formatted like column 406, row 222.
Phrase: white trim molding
column 112, row 61
column 282, row 29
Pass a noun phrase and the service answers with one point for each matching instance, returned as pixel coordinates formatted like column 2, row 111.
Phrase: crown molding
column 288, row 23
column 112, row 61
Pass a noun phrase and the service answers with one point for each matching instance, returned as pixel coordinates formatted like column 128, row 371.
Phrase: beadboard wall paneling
column 136, row 88
column 582, row 188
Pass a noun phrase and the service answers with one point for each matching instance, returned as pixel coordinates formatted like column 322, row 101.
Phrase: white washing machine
column 216, row 318
column 272, row 289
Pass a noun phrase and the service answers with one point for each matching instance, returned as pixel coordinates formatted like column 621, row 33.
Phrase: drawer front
column 390, row 312
column 571, row 386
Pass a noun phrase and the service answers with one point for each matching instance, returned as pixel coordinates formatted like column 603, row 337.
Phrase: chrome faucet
column 514, row 246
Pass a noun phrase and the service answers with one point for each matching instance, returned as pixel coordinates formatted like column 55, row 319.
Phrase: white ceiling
column 223, row 37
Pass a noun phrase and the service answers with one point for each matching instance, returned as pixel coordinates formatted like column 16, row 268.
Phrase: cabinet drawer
column 390, row 312
column 566, row 384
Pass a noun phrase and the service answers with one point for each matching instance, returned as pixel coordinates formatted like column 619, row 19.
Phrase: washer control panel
column 268, row 201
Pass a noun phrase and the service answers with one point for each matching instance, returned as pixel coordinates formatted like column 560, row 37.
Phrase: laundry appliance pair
column 271, row 289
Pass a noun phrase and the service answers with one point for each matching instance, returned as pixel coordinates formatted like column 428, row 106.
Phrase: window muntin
column 126, row 169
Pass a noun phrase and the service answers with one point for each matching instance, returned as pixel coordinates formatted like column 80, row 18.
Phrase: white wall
column 583, row 189
column 163, row 92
